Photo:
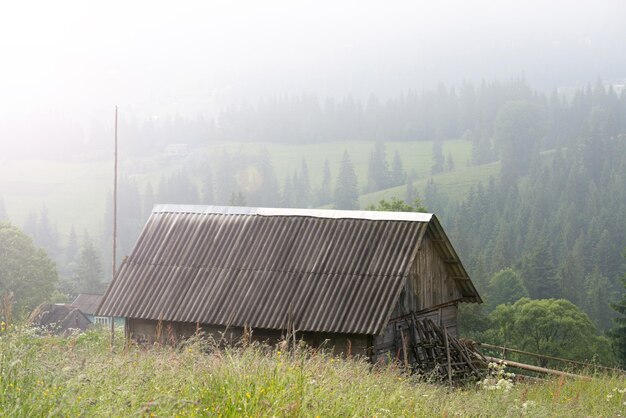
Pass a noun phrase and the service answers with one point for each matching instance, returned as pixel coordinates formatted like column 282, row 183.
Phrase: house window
column 103, row 320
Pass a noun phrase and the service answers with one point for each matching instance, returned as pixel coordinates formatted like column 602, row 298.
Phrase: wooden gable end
column 430, row 283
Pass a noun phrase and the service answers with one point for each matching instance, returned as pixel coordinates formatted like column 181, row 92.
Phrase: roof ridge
column 314, row 213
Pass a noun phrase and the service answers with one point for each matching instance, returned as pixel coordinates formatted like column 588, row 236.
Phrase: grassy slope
column 455, row 184
column 75, row 192
column 77, row 376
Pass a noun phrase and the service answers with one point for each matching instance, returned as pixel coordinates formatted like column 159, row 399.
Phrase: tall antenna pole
column 114, row 223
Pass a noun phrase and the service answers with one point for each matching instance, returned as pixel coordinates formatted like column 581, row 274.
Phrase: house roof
column 58, row 318
column 87, row 303
column 320, row 270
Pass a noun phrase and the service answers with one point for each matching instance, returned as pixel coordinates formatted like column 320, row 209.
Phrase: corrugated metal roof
column 87, row 303
column 331, row 271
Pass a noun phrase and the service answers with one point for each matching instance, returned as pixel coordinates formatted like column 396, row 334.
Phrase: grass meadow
column 75, row 193
column 79, row 376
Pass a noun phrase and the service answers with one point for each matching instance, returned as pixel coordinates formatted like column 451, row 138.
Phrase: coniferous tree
column 506, row 286
column 538, row 272
column 346, row 192
column 303, row 186
column 268, row 192
column 88, row 275
column 618, row 332
column 378, row 174
column 411, row 193
column 450, row 165
column 149, row 200
column 324, row 193
column 30, row 225
column 519, row 127
column 482, row 151
column 225, row 183
column 571, row 276
column 438, row 160
column 208, row 188
column 237, row 199
column 45, row 236
column 288, row 193
column 398, row 175
column 178, row 188
column 71, row 250
column 597, row 301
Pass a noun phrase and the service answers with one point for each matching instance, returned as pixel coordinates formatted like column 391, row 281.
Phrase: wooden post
column 114, row 223
column 536, row 368
column 445, row 337
column 404, row 348
column 579, row 363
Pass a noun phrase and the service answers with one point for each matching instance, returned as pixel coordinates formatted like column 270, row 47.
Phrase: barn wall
column 386, row 346
column 429, row 284
column 150, row 331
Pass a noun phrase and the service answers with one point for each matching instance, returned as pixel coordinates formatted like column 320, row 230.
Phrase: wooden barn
column 349, row 279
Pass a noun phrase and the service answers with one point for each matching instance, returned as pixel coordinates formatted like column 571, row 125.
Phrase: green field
column 455, row 184
column 75, row 192
column 287, row 158
column 79, row 376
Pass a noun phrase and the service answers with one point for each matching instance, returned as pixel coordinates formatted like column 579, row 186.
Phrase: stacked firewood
column 429, row 350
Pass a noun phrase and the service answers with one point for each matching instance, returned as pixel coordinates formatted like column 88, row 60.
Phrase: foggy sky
column 80, row 58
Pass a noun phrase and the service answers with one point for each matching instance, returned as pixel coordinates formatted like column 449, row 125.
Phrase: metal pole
column 114, row 223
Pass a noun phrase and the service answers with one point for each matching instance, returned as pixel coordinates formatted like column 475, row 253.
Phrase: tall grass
column 78, row 376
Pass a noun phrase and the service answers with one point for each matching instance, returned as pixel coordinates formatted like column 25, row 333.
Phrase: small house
column 88, row 303
column 59, row 319
column 176, row 150
column 348, row 279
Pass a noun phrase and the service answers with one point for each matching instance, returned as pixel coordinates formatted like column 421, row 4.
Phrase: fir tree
column 237, row 199
column 45, row 236
column 225, row 183
column 450, row 165
column 268, row 192
column 346, row 192
column 599, row 293
column 398, row 175
column 303, row 186
column 411, row 193
column 519, row 128
column 378, row 175
column 208, row 188
column 324, row 194
column 71, row 250
column 618, row 332
column 287, row 196
column 438, row 160
column 538, row 272
column 30, row 225
column 506, row 286
column 88, row 274
column 149, row 200
column 571, row 276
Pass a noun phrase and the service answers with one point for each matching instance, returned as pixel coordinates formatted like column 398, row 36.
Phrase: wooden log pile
column 429, row 350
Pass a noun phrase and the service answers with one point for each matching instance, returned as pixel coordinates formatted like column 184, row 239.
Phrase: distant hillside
column 455, row 184
column 75, row 193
